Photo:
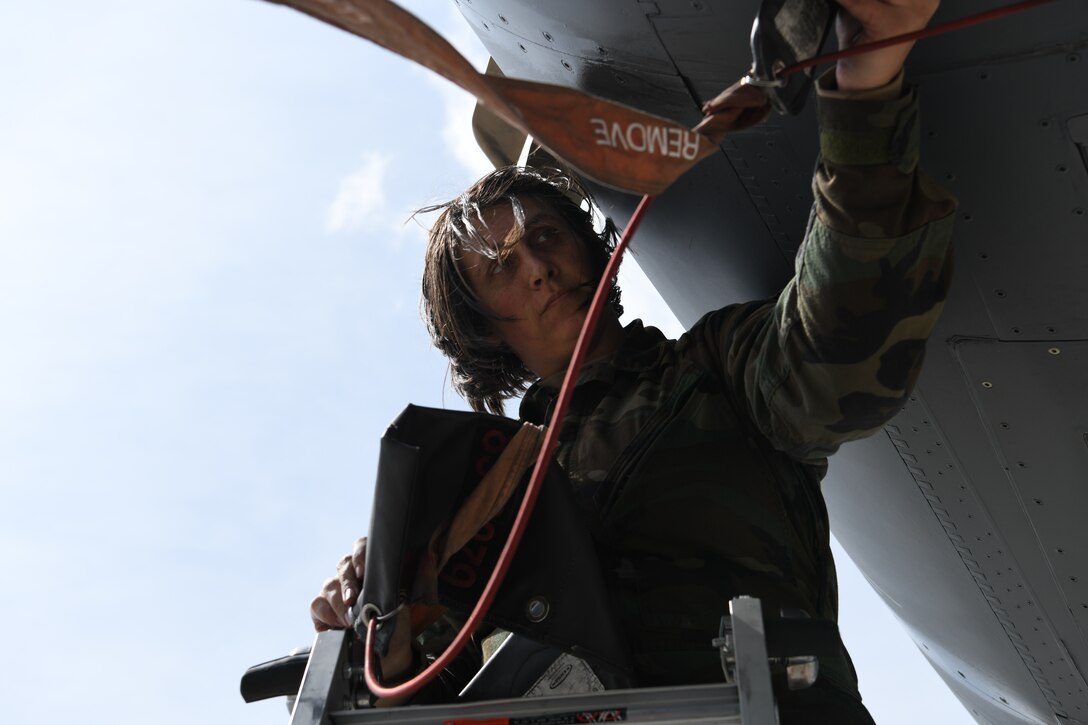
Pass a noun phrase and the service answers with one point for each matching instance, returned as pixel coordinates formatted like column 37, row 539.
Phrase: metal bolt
column 987, row 384
column 547, row 36
column 1055, row 351
column 537, row 609
column 567, row 65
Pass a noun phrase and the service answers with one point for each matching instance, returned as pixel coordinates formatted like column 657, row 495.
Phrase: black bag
column 430, row 461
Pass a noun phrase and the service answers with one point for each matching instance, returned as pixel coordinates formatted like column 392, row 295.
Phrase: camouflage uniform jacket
column 700, row 459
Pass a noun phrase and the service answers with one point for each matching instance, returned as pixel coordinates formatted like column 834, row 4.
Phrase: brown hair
column 483, row 369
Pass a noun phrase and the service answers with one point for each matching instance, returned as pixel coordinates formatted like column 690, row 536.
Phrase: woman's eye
column 546, row 235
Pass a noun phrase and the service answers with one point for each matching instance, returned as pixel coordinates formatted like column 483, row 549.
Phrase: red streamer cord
column 589, row 327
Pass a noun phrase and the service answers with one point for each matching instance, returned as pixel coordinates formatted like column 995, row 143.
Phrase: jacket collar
column 640, row 350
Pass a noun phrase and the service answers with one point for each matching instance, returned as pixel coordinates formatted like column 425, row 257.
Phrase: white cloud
column 361, row 197
column 458, row 106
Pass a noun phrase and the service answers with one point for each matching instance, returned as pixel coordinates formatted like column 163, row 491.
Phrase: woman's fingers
column 358, row 558
column 327, row 610
column 348, row 581
column 739, row 106
column 737, row 96
column 331, row 609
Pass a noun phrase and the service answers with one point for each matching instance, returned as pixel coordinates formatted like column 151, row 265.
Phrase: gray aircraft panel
column 684, row 29
column 1023, row 188
column 715, row 195
column 629, row 67
column 1042, row 30
column 1032, row 399
column 882, row 511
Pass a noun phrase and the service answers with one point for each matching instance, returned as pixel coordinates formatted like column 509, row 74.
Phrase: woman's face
column 541, row 290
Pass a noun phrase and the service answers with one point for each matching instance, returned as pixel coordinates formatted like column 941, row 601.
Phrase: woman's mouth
column 553, row 299
column 560, row 295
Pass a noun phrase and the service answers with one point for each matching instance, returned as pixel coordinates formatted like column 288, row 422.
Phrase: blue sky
column 208, row 315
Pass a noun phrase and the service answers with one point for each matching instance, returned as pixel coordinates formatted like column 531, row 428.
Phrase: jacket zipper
column 616, row 479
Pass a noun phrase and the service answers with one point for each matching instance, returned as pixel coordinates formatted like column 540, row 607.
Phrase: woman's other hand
column 866, row 21
column 331, row 608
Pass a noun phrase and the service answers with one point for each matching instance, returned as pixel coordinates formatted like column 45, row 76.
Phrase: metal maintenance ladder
column 332, row 692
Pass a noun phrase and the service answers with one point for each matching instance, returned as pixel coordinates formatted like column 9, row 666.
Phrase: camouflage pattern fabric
column 700, row 459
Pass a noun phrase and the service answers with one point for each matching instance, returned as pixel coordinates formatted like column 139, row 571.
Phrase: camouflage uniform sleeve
column 839, row 350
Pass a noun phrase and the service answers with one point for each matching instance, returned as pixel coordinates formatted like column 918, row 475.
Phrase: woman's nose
column 540, row 268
